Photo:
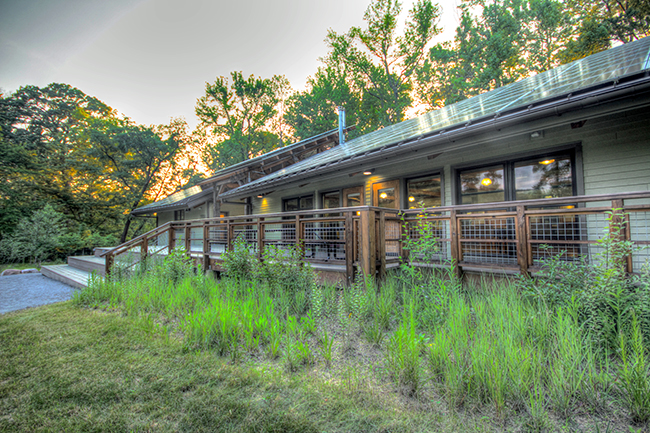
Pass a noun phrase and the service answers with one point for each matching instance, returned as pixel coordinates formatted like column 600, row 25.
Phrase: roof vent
column 341, row 125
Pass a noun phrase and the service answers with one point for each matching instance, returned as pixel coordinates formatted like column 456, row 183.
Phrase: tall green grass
column 504, row 347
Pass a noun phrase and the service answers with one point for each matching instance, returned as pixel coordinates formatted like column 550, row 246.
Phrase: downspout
column 341, row 125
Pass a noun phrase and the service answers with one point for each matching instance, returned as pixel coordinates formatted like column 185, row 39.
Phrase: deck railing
column 510, row 237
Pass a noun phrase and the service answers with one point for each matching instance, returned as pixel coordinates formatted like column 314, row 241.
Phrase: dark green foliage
column 314, row 111
column 61, row 147
column 379, row 64
column 240, row 262
column 49, row 235
column 242, row 116
column 603, row 297
column 176, row 267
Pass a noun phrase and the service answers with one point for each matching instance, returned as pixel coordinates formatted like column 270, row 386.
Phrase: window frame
column 298, row 197
column 438, row 173
column 321, row 205
column 574, row 152
column 395, row 184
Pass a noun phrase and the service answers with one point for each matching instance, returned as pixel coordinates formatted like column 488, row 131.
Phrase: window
column 331, row 200
column 353, row 196
column 386, row 194
column 294, row 204
column 546, row 176
column 484, row 185
column 424, row 192
column 179, row 215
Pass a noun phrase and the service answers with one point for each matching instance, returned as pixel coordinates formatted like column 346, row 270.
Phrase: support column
column 367, row 257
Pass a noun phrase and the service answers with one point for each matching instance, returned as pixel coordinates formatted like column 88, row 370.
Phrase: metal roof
column 176, row 200
column 258, row 159
column 587, row 73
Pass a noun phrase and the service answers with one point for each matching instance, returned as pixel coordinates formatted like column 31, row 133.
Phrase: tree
column 379, row 63
column 506, row 41
column 600, row 23
column 314, row 111
column 36, row 238
column 61, row 147
column 40, row 150
column 129, row 158
column 242, row 115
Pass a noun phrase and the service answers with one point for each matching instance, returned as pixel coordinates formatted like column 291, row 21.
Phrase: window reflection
column 484, row 185
column 331, row 200
column 386, row 197
column 424, row 192
column 544, row 178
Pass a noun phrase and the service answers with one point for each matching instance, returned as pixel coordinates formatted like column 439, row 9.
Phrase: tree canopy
column 61, row 147
column 242, row 115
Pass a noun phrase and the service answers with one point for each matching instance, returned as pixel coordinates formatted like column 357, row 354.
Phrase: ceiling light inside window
column 383, row 195
column 547, row 161
column 486, row 181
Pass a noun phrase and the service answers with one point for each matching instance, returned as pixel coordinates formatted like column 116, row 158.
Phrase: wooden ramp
column 77, row 272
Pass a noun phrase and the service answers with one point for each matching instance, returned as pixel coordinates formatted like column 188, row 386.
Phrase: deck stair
column 77, row 272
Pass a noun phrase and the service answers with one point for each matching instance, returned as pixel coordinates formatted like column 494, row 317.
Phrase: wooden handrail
column 361, row 231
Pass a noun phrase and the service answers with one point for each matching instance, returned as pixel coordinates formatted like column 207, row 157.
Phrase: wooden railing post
column 188, row 245
column 456, row 252
column 349, row 248
column 260, row 237
column 231, row 235
column 108, row 265
column 172, row 239
column 521, row 233
column 381, row 240
column 144, row 249
column 367, row 257
column 404, row 235
column 300, row 235
column 206, row 246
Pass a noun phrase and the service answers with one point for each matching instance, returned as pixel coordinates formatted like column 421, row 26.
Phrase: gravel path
column 31, row 290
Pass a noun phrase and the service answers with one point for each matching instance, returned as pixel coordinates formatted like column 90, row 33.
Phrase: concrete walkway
column 31, row 290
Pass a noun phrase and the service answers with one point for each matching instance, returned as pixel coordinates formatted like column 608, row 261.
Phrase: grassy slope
column 64, row 368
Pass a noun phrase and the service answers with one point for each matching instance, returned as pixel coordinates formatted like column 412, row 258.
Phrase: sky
column 150, row 59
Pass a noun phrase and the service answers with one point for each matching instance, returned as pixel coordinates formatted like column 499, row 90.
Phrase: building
column 579, row 130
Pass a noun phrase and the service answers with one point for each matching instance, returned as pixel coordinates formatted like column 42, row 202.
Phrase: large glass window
column 547, row 176
column 294, row 204
column 483, row 185
column 543, row 178
column 424, row 192
column 331, row 200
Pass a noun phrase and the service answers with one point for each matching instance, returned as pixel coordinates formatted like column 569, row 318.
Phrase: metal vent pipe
column 341, row 125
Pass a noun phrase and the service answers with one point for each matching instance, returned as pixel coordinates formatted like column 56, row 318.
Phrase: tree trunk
column 127, row 224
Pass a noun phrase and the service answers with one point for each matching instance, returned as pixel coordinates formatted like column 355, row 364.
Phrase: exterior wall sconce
column 411, row 199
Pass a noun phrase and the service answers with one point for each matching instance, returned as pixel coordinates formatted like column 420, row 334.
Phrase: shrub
column 240, row 262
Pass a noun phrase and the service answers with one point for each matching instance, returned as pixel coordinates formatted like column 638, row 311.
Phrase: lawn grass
column 21, row 266
column 66, row 368
column 71, row 369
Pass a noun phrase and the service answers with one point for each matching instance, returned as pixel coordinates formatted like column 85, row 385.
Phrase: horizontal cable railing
column 505, row 237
